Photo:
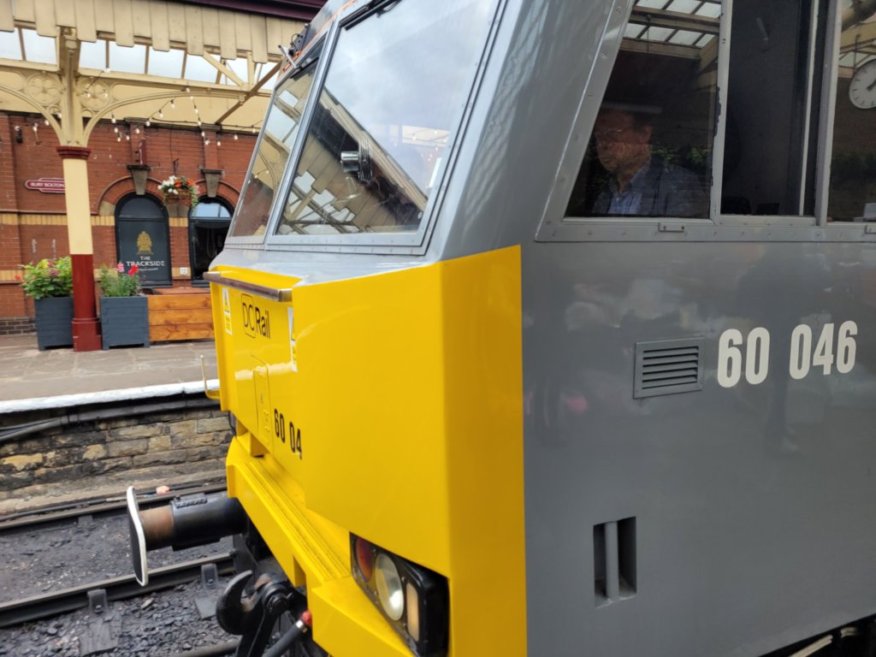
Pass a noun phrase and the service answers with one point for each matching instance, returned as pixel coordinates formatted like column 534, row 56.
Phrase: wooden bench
column 180, row 313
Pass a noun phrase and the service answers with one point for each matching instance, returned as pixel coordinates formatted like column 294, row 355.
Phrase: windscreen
column 394, row 93
column 272, row 154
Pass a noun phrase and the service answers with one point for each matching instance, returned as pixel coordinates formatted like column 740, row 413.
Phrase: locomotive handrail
column 210, row 393
column 275, row 294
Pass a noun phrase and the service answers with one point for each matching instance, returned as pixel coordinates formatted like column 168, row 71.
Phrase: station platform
column 61, row 381
column 33, row 379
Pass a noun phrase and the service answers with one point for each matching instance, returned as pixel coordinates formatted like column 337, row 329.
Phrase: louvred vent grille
column 667, row 367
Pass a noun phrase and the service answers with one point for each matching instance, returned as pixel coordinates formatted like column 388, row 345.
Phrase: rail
column 55, row 603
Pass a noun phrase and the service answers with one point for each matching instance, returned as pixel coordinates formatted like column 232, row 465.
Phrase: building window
column 208, row 225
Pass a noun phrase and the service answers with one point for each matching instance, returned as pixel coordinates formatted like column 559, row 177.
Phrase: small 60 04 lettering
column 834, row 347
column 294, row 433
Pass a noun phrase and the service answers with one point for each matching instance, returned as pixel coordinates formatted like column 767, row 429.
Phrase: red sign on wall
column 46, row 185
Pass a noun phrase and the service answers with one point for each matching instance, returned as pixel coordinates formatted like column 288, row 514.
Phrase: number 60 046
column 834, row 348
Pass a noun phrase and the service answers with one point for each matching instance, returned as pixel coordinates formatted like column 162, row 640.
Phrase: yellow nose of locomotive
column 378, row 433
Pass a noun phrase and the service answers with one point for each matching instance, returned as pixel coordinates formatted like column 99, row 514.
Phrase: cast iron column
column 86, row 331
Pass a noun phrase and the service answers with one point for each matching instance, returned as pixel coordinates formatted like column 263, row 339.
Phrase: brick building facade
column 33, row 223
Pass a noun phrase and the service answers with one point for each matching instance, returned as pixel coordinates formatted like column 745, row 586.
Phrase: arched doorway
column 143, row 238
column 208, row 225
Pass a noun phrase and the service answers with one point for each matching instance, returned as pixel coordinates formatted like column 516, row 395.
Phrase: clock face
column 862, row 90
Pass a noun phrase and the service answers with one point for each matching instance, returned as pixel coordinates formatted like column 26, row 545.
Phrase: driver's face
column 620, row 144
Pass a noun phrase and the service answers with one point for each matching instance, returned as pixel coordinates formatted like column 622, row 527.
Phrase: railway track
column 101, row 592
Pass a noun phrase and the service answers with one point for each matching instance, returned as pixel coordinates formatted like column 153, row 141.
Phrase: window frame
column 557, row 226
column 322, row 46
column 401, row 243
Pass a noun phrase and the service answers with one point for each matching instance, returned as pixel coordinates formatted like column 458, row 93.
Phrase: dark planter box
column 124, row 321
column 54, row 322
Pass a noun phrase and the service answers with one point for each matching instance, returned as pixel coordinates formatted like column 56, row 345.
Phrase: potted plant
column 180, row 194
column 124, row 312
column 49, row 283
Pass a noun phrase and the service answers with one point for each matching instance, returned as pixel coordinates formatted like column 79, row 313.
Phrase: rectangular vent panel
column 614, row 561
column 667, row 367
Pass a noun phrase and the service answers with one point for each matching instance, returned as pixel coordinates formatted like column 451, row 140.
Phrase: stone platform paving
column 27, row 373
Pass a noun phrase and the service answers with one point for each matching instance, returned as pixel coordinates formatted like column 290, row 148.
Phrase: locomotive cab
column 345, row 338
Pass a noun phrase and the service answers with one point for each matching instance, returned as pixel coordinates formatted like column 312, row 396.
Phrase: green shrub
column 48, row 278
column 118, row 282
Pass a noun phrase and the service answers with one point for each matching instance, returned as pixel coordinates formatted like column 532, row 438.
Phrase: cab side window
column 852, row 195
column 650, row 152
column 661, row 144
column 772, row 107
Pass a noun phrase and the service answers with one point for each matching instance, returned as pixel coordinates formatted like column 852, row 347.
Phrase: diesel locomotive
column 545, row 328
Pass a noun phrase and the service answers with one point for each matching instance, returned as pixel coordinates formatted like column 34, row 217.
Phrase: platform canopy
column 690, row 29
column 173, row 62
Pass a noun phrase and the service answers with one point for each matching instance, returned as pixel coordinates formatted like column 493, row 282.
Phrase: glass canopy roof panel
column 652, row 4
column 688, row 26
column 141, row 59
column 166, row 64
column 684, row 6
column 709, row 10
column 93, row 54
column 10, row 45
column 685, row 37
column 199, row 69
column 658, row 34
column 38, row 48
column 634, row 31
column 126, row 59
column 238, row 67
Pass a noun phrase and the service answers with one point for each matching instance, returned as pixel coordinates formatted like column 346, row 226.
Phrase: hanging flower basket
column 180, row 194
column 183, row 198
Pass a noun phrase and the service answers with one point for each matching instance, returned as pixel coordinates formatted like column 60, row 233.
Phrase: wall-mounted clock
column 862, row 89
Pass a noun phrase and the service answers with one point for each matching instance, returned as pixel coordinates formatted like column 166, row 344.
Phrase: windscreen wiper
column 378, row 7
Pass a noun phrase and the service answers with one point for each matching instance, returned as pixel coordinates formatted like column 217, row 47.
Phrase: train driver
column 641, row 183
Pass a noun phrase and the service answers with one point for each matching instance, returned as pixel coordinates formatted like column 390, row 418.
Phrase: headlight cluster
column 413, row 599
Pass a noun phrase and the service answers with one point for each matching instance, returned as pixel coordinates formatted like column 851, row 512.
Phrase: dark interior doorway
column 208, row 225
